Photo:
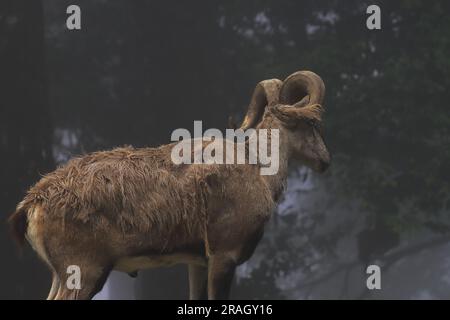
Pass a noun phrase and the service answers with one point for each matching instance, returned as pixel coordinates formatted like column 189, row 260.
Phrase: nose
column 323, row 165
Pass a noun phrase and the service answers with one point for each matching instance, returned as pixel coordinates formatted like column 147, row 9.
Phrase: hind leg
column 93, row 277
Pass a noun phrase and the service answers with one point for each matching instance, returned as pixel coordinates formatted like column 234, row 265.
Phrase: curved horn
column 302, row 88
column 266, row 93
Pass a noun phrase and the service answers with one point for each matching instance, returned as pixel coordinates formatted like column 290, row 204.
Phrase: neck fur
column 276, row 182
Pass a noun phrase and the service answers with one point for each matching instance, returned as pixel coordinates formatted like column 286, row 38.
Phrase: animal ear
column 286, row 114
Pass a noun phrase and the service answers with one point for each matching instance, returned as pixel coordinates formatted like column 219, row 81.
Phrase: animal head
column 297, row 104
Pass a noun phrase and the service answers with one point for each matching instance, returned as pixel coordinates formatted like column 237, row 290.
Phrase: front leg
column 220, row 276
column 198, row 279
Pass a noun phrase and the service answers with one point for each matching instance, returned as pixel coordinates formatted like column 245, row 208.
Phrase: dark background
column 139, row 69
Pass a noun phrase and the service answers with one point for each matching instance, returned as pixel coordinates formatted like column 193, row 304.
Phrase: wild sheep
column 129, row 209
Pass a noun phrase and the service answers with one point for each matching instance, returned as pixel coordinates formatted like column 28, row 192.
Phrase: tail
column 19, row 223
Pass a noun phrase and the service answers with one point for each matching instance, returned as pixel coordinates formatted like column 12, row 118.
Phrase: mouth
column 322, row 166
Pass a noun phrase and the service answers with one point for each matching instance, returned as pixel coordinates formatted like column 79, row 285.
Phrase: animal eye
column 315, row 124
column 312, row 122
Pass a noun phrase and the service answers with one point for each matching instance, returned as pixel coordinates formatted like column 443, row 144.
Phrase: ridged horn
column 265, row 94
column 301, row 89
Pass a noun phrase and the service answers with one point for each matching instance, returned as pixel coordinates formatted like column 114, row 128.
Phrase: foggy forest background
column 139, row 69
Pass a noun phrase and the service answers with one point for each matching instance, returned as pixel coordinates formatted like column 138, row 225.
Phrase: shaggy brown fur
column 129, row 209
